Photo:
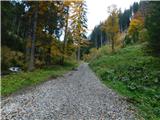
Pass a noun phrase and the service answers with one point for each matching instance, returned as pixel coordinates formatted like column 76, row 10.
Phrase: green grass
column 14, row 82
column 132, row 74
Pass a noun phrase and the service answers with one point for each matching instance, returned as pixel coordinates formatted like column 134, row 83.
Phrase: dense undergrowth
column 14, row 82
column 133, row 74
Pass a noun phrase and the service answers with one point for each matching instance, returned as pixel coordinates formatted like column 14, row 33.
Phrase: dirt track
column 78, row 95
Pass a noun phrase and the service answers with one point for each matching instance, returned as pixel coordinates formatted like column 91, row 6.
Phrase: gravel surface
column 78, row 95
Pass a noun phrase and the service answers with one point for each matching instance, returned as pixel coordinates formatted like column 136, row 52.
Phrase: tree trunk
column 28, row 47
column 112, row 39
column 65, row 37
column 48, row 57
column 112, row 35
column 49, row 50
column 32, row 57
column 19, row 23
column 28, row 51
column 78, row 53
column 101, row 40
column 96, row 43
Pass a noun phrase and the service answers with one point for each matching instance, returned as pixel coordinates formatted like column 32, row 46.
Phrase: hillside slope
column 133, row 74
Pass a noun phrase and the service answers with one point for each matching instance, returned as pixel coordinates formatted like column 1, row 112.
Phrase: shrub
column 92, row 54
column 127, row 40
column 143, row 35
column 11, row 58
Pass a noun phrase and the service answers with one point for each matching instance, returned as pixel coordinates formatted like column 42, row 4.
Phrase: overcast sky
column 97, row 10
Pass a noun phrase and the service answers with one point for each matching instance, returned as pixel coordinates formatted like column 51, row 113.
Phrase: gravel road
column 77, row 95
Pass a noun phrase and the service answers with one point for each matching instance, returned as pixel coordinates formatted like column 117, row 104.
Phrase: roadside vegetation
column 133, row 74
column 13, row 82
column 129, row 62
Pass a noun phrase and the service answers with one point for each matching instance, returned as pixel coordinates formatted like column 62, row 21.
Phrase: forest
column 38, row 34
column 46, row 39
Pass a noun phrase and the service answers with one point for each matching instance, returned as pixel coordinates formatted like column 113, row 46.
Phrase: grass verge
column 14, row 82
column 133, row 74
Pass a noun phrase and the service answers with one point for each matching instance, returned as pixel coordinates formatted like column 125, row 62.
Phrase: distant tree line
column 98, row 36
column 140, row 23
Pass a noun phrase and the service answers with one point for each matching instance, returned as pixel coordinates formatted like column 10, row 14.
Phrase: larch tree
column 65, row 10
column 46, row 29
column 111, row 25
column 136, row 25
column 49, row 21
column 78, row 25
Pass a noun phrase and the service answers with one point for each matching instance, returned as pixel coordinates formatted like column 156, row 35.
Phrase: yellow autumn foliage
column 11, row 58
column 136, row 24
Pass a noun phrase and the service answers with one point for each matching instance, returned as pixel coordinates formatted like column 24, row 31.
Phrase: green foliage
column 12, row 29
column 124, row 19
column 153, row 26
column 111, row 25
column 127, row 40
column 143, row 35
column 14, row 82
column 92, row 55
column 135, row 7
column 79, row 26
column 134, row 75
column 95, row 53
column 98, row 36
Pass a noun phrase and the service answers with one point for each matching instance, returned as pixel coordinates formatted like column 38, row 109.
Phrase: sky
column 97, row 10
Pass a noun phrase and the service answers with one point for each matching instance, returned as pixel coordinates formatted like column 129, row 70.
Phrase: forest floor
column 77, row 95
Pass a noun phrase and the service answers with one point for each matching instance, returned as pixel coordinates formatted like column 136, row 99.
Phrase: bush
column 11, row 58
column 92, row 55
column 127, row 40
column 143, row 35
